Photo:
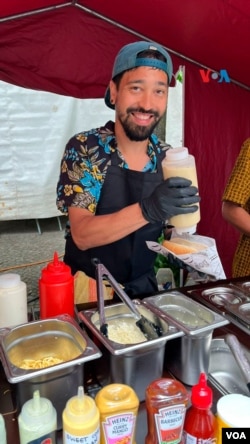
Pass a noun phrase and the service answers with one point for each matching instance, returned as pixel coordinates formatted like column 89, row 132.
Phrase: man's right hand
column 174, row 196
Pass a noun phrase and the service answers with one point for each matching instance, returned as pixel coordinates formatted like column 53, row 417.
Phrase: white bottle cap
column 37, row 411
column 177, row 154
column 9, row 280
column 190, row 230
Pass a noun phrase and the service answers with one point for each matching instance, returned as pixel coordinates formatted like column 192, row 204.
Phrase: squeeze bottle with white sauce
column 81, row 420
column 118, row 405
column 179, row 163
column 13, row 300
column 37, row 421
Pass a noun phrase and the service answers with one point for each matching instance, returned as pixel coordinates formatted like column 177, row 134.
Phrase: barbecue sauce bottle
column 200, row 423
column 166, row 403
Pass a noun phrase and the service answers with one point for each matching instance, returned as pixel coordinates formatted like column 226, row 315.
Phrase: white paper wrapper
column 206, row 261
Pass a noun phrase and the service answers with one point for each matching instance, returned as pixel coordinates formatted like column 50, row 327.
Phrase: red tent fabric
column 68, row 47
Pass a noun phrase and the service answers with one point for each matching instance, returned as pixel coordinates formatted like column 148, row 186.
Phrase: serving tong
column 148, row 328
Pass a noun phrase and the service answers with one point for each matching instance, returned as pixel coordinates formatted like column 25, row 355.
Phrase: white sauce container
column 13, row 300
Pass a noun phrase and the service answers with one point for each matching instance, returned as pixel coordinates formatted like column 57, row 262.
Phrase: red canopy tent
column 68, row 48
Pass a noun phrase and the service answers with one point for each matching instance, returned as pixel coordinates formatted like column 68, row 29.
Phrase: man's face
column 140, row 101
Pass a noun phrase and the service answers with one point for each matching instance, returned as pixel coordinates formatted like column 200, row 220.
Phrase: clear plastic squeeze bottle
column 179, row 163
column 56, row 289
column 37, row 421
column 81, row 420
column 166, row 404
column 200, row 424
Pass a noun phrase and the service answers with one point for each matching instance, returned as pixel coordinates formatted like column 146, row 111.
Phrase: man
column 236, row 209
column 111, row 183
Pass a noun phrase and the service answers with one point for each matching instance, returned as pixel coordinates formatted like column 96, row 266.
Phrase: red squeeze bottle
column 200, row 423
column 56, row 290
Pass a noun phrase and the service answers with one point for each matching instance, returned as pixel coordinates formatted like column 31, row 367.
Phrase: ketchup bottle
column 200, row 422
column 56, row 290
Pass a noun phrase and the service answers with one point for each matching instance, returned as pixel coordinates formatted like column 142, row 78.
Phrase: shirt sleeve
column 78, row 185
column 238, row 186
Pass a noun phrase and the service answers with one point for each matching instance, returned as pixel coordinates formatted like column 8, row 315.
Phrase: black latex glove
column 170, row 198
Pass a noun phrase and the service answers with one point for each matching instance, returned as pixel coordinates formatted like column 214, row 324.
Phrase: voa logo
column 236, row 435
column 221, row 76
column 230, row 435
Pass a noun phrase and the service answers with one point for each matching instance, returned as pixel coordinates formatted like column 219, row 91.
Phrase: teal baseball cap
column 127, row 58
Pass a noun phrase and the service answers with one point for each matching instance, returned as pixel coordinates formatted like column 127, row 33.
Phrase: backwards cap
column 127, row 58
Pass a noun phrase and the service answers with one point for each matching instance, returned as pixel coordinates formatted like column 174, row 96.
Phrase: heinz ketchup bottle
column 200, row 422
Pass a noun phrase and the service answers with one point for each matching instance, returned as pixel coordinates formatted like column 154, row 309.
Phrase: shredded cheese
column 125, row 332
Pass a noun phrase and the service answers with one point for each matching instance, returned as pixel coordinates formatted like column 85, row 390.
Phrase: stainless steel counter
column 7, row 393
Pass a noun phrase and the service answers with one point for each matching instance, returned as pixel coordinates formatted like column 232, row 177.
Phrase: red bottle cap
column 56, row 272
column 202, row 395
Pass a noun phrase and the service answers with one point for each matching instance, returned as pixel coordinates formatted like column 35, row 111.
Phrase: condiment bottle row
column 173, row 416
column 110, row 418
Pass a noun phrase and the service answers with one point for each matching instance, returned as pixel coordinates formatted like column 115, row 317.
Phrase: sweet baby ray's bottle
column 81, row 420
column 179, row 163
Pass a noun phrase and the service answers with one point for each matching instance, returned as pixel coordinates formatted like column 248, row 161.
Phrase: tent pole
column 137, row 34
column 36, row 11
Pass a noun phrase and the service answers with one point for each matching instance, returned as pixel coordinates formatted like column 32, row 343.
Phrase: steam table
column 7, row 392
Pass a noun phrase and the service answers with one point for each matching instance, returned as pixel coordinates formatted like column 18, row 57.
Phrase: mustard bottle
column 81, row 420
column 118, row 406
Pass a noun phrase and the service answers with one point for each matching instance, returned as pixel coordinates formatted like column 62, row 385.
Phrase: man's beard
column 138, row 133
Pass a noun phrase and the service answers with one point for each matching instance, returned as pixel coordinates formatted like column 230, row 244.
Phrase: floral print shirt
column 85, row 162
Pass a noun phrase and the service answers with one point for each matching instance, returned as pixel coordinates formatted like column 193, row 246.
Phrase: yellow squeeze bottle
column 118, row 405
column 81, row 419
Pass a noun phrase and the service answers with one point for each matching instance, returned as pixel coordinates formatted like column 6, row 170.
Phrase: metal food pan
column 188, row 315
column 56, row 337
column 61, row 337
column 242, row 312
column 224, row 372
column 121, row 311
column 225, row 296
column 243, row 286
column 135, row 364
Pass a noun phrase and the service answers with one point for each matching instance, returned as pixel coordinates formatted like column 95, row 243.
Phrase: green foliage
column 162, row 262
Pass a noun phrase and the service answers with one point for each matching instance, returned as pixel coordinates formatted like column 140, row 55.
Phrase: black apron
column 129, row 260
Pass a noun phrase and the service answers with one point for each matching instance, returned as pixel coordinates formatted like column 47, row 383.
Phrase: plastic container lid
column 234, row 410
column 191, row 230
column 38, row 410
column 201, row 394
column 9, row 280
column 177, row 154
